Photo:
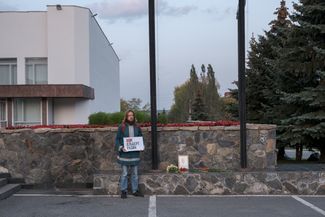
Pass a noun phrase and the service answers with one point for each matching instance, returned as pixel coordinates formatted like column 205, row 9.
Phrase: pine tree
column 198, row 109
column 263, row 75
column 302, row 62
column 231, row 103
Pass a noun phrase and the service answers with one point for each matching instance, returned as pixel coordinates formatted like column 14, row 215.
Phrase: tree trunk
column 299, row 152
column 322, row 153
column 281, row 153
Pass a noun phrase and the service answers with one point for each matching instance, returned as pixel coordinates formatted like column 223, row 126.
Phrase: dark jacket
column 126, row 158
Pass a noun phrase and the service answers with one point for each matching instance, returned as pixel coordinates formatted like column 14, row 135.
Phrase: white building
column 56, row 67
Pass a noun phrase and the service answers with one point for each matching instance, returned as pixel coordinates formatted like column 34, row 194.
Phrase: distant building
column 56, row 67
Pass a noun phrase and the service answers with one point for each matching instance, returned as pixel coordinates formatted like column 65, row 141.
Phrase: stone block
column 2, row 144
column 204, row 128
column 3, row 170
column 232, row 128
column 193, row 128
column 211, row 148
column 270, row 145
column 217, row 128
column 170, row 128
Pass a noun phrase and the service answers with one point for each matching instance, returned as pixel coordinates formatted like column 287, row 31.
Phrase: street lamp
column 153, row 94
column 241, row 81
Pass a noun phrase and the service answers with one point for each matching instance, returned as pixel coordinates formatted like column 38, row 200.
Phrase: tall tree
column 186, row 95
column 302, row 63
column 263, row 75
column 199, row 109
column 212, row 98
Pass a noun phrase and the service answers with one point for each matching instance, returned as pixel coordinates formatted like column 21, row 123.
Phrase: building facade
column 56, row 67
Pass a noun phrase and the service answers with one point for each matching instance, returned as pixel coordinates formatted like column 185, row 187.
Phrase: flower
column 172, row 168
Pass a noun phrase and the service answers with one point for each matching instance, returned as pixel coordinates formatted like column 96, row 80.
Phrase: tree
column 186, row 94
column 231, row 104
column 124, row 105
column 133, row 104
column 302, row 62
column 180, row 109
column 198, row 109
column 263, row 75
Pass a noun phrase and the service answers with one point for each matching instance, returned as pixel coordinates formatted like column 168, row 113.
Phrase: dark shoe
column 138, row 194
column 123, row 195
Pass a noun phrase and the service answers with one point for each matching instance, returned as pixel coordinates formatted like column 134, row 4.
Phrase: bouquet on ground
column 172, row 168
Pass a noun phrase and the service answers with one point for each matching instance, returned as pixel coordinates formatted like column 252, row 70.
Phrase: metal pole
column 153, row 95
column 241, row 78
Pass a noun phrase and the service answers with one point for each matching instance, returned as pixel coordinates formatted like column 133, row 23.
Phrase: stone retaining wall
column 73, row 155
column 306, row 183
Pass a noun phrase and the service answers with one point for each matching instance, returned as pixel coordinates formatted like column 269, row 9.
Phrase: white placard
column 183, row 161
column 133, row 143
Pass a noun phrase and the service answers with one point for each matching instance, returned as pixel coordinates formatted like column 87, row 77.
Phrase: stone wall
column 220, row 183
column 73, row 155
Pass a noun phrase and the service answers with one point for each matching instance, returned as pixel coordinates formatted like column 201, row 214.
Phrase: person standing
column 128, row 160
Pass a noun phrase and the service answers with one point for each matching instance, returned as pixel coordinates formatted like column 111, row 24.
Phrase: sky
column 187, row 32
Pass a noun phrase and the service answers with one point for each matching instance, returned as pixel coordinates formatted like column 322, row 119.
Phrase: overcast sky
column 187, row 32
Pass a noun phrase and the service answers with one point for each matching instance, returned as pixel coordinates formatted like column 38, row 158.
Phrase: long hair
column 125, row 119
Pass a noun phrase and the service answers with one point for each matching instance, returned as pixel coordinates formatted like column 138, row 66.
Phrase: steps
column 7, row 188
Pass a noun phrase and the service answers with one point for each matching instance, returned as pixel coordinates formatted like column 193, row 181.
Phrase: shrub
column 162, row 118
column 142, row 117
column 99, row 118
column 116, row 117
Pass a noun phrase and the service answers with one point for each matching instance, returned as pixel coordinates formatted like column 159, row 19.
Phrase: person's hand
column 124, row 150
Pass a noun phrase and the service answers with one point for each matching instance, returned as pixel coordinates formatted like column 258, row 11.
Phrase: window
column 3, row 113
column 27, row 112
column 8, row 71
column 36, row 70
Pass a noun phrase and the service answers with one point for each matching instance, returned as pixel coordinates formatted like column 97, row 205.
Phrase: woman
column 131, row 159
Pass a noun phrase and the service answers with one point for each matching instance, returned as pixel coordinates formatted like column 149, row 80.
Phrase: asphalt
column 49, row 205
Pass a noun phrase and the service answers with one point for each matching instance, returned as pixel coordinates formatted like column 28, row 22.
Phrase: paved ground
column 42, row 205
column 300, row 167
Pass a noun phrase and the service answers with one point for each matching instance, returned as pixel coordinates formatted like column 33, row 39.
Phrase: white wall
column 60, row 29
column 23, row 34
column 104, row 72
column 78, row 52
column 64, row 111
column 68, row 42
column 81, row 45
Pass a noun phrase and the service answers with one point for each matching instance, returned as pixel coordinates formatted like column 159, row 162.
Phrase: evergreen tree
column 263, row 76
column 198, row 109
column 231, row 103
column 302, row 63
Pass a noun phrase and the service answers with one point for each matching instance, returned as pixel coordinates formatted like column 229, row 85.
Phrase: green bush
column 162, row 118
column 142, row 117
column 99, row 118
column 102, row 118
column 116, row 117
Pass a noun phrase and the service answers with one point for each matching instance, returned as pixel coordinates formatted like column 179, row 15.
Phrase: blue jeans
column 124, row 178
